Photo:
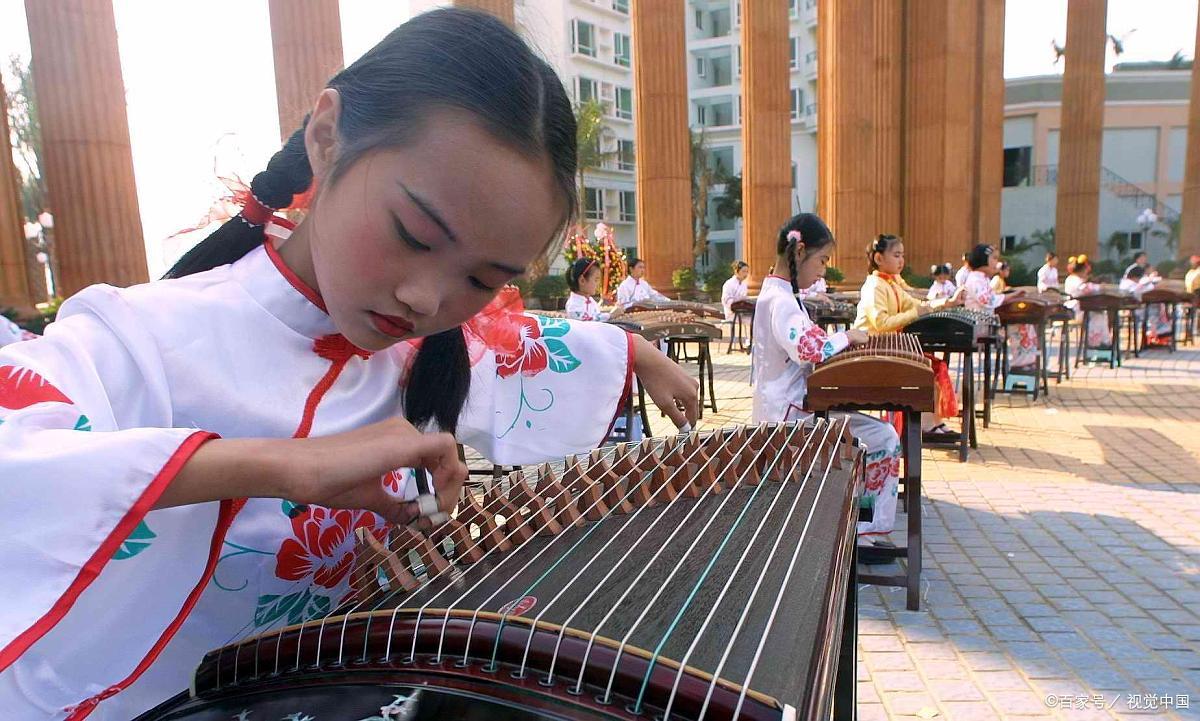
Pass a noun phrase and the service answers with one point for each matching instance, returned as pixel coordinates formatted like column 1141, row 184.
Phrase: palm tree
column 702, row 180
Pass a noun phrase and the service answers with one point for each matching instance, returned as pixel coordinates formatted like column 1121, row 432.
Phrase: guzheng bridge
column 1045, row 558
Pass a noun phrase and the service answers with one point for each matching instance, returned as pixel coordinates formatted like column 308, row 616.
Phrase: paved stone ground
column 1062, row 562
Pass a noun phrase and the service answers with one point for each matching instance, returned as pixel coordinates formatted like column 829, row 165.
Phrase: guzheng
column 890, row 371
column 701, row 310
column 656, row 325
column 1108, row 299
column 696, row 577
column 953, row 329
column 832, row 311
column 1028, row 308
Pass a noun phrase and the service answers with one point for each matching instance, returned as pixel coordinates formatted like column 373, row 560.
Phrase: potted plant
column 683, row 280
column 714, row 280
column 551, row 291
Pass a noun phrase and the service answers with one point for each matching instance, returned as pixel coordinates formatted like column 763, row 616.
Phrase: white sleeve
column 556, row 393
column 575, row 308
column 86, row 449
column 625, row 292
column 803, row 340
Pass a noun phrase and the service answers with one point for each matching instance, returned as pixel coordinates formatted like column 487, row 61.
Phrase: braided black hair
column 447, row 58
column 882, row 244
column 577, row 270
column 979, row 256
column 814, row 235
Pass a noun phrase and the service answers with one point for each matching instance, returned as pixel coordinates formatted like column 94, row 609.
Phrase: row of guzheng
column 1034, row 307
column 953, row 329
column 658, row 325
column 700, row 310
column 888, row 372
column 701, row 576
column 824, row 312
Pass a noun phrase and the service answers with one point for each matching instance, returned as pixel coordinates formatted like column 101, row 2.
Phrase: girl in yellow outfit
column 886, row 306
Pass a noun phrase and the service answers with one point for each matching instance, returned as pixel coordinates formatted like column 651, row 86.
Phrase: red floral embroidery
column 323, row 548
column 881, row 470
column 811, row 345
column 530, row 356
column 21, row 388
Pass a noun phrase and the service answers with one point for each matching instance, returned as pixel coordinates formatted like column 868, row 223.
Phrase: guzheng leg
column 845, row 689
column 515, row 528
column 490, row 534
column 566, row 511
column 540, row 516
column 912, row 489
column 409, row 539
column 376, row 566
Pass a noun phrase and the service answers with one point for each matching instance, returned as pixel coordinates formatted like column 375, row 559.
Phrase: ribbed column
column 85, row 143
column 859, row 129
column 766, row 130
column 502, row 9
column 14, row 282
column 1190, row 241
column 306, row 40
column 660, row 111
column 990, row 127
column 941, row 116
column 1077, row 215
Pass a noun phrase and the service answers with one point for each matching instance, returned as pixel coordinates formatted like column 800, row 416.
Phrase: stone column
column 860, row 120
column 306, row 41
column 660, row 112
column 1077, row 215
column 14, row 280
column 85, row 139
column 1190, row 241
column 502, row 9
column 941, row 118
column 990, row 128
column 766, row 130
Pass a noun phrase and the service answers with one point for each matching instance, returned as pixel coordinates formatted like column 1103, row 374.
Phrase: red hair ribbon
column 253, row 211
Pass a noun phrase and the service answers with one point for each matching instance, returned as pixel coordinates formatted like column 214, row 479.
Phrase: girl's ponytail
column 287, row 174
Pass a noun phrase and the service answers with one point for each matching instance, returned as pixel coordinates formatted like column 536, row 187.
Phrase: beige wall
column 1163, row 115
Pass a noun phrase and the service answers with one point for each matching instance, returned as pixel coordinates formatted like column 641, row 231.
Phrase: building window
column 701, row 66
column 797, row 102
column 585, row 89
column 593, row 203
column 701, row 115
column 794, row 52
column 625, row 155
column 1017, row 166
column 583, row 38
column 621, row 6
column 1135, row 241
column 621, row 49
column 791, row 5
column 739, row 61
column 794, row 169
column 699, row 19
column 628, row 206
column 1007, row 243
column 625, row 103
column 737, row 13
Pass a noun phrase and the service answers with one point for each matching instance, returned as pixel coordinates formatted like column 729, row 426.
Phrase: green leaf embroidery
column 297, row 607
column 288, row 508
column 83, row 424
column 553, row 327
column 138, row 541
column 560, row 360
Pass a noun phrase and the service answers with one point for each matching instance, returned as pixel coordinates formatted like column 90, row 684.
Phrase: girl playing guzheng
column 787, row 344
column 189, row 460
column 886, row 306
column 735, row 288
column 1078, row 283
column 981, row 293
column 583, row 278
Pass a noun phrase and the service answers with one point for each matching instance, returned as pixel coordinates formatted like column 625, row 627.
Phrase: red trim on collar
column 290, row 276
column 885, row 276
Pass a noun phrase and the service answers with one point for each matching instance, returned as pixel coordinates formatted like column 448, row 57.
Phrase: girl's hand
column 346, row 470
column 924, row 309
column 857, row 337
column 670, row 387
column 958, row 298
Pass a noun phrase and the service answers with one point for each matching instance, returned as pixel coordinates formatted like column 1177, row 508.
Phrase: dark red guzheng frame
column 630, row 671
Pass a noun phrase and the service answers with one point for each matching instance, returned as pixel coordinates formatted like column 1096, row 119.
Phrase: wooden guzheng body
column 702, row 310
column 953, row 329
column 1034, row 308
column 657, row 324
column 889, row 371
column 698, row 577
column 833, row 311
column 1109, row 298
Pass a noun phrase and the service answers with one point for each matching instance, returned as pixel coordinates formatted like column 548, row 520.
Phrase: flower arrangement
column 602, row 248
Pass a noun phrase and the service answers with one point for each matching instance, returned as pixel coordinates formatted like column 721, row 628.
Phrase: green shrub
column 683, row 279
column 834, row 275
column 715, row 279
column 550, row 286
column 914, row 279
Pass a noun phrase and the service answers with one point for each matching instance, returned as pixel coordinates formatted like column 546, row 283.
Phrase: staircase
column 1138, row 197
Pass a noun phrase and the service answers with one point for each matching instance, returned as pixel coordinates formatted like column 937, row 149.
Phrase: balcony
column 617, row 8
column 810, row 65
column 809, row 13
column 810, row 117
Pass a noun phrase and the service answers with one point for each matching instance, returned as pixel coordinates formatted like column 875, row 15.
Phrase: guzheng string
column 690, row 447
